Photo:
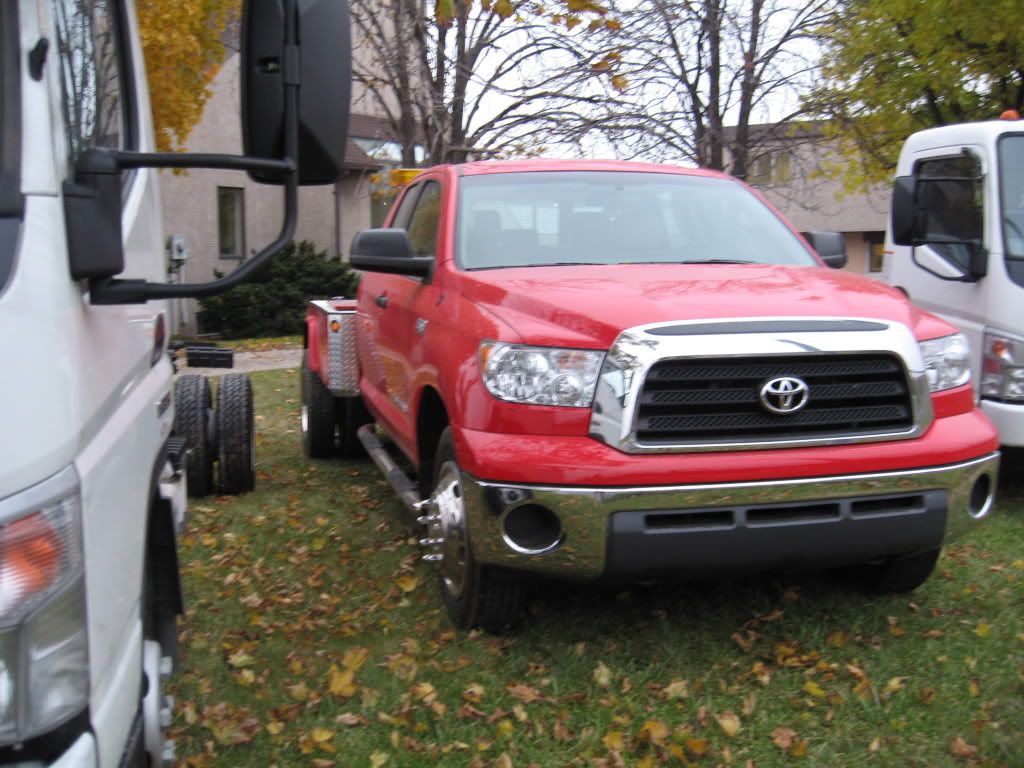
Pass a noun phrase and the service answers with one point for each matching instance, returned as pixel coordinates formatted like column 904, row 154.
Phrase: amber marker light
column 335, row 326
column 30, row 555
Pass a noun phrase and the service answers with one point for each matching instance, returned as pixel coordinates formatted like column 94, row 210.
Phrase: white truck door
column 930, row 274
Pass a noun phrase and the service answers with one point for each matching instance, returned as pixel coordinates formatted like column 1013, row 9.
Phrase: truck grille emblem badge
column 785, row 394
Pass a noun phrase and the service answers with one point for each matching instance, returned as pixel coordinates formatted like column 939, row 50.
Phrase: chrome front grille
column 701, row 400
column 711, row 385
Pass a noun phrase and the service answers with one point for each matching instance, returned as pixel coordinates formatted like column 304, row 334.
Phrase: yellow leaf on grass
column 524, row 693
column 814, row 689
column 378, row 759
column 354, row 658
column 836, row 639
column 503, row 761
column 240, row 659
column 602, row 675
column 505, row 728
column 974, row 687
column 875, row 745
column 341, row 682
column 729, row 723
column 895, row 684
column 299, row 691
column 1018, row 564
column 425, row 692
column 320, row 735
column 799, row 748
column 407, row 583
column 983, row 630
column 647, row 761
column 655, row 732
column 274, row 727
column 474, row 693
column 697, row 747
column 677, row 689
column 613, row 740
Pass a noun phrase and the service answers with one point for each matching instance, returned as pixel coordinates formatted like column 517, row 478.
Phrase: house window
column 760, row 171
column 876, row 250
column 231, row 222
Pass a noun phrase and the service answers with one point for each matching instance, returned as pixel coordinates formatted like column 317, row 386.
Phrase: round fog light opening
column 532, row 529
column 981, row 496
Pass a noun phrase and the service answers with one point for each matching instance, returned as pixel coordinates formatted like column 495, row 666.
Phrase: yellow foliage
column 183, row 52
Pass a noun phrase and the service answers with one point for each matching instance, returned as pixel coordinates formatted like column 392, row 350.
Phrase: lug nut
column 433, row 557
column 165, row 717
column 169, row 753
column 431, row 542
column 428, row 519
column 166, row 667
column 426, row 505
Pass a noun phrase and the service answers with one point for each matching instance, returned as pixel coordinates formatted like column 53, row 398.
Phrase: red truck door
column 402, row 308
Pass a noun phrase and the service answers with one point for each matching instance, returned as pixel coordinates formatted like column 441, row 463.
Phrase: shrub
column 273, row 301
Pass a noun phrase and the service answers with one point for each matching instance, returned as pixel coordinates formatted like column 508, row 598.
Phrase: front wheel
column 472, row 594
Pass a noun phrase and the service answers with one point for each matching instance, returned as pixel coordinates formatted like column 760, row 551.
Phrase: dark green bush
column 273, row 302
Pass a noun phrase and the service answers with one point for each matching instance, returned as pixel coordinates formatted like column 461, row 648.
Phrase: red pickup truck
column 615, row 371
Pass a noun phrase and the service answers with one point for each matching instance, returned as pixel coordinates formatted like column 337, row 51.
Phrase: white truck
column 956, row 246
column 95, row 450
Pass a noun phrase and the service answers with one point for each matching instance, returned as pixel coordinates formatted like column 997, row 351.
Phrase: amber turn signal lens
column 30, row 554
column 335, row 326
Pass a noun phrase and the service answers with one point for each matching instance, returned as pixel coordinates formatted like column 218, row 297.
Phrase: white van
column 956, row 246
column 92, row 480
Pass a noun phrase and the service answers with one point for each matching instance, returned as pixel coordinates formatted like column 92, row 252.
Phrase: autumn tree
column 692, row 68
column 892, row 67
column 181, row 41
column 475, row 78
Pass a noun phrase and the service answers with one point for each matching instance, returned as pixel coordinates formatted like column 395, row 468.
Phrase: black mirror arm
column 115, row 291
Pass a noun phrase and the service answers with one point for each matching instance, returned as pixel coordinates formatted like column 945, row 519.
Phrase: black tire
column 486, row 601
column 898, row 575
column 350, row 414
column 318, row 420
column 193, row 406
column 236, row 443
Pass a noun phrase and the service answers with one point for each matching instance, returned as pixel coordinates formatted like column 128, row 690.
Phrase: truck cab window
column 87, row 44
column 953, row 212
column 423, row 225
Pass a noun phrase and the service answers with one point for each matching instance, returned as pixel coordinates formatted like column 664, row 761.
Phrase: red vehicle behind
column 614, row 371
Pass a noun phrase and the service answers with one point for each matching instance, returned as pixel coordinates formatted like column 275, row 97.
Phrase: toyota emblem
column 785, row 394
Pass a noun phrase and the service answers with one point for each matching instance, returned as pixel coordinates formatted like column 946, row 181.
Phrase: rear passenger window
column 88, row 50
column 423, row 226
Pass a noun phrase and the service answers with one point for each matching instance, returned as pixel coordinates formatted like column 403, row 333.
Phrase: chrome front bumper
column 739, row 520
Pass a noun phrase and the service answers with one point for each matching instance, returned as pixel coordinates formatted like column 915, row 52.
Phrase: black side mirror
column 902, row 218
column 296, row 72
column 831, row 246
column 389, row 251
column 321, row 63
column 92, row 215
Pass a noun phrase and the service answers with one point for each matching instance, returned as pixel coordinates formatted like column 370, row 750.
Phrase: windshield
column 1011, row 182
column 599, row 217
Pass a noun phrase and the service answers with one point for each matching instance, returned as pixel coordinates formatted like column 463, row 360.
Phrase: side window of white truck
column 952, row 211
column 88, row 44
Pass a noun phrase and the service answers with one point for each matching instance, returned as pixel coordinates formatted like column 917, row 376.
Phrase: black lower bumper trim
column 793, row 536
column 48, row 746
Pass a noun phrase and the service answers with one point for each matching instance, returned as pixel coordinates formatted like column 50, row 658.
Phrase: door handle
column 382, row 300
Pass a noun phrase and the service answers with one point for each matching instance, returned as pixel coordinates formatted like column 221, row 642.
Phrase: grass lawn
column 314, row 637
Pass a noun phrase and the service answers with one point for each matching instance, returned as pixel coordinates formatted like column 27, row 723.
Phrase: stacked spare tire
column 219, row 433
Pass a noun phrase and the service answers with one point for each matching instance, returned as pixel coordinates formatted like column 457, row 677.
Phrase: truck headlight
column 1002, row 367
column 540, row 375
column 44, row 659
column 947, row 362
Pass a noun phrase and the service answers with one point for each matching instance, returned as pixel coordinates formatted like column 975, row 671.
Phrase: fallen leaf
column 354, row 658
column 274, row 727
column 503, row 761
column 524, row 693
column 697, row 747
column 602, row 675
column 407, row 583
column 340, row 682
column 654, row 732
column 729, row 723
column 474, row 693
column 926, row 695
column 350, row 719
column 983, row 630
column 677, row 689
column 875, row 745
column 378, row 759
column 960, row 748
column 613, row 741
column 836, row 639
column 783, row 738
column 299, row 691
column 895, row 684
column 814, row 689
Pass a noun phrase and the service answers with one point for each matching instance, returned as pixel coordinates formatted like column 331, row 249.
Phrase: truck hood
column 588, row 306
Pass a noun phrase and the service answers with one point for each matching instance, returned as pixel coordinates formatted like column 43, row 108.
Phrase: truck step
column 397, row 479
column 209, row 357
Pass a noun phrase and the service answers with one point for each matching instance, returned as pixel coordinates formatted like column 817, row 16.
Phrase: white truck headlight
column 540, row 375
column 1002, row 367
column 947, row 362
column 44, row 658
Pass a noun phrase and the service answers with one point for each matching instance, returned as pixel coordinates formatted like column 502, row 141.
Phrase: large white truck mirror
column 296, row 81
